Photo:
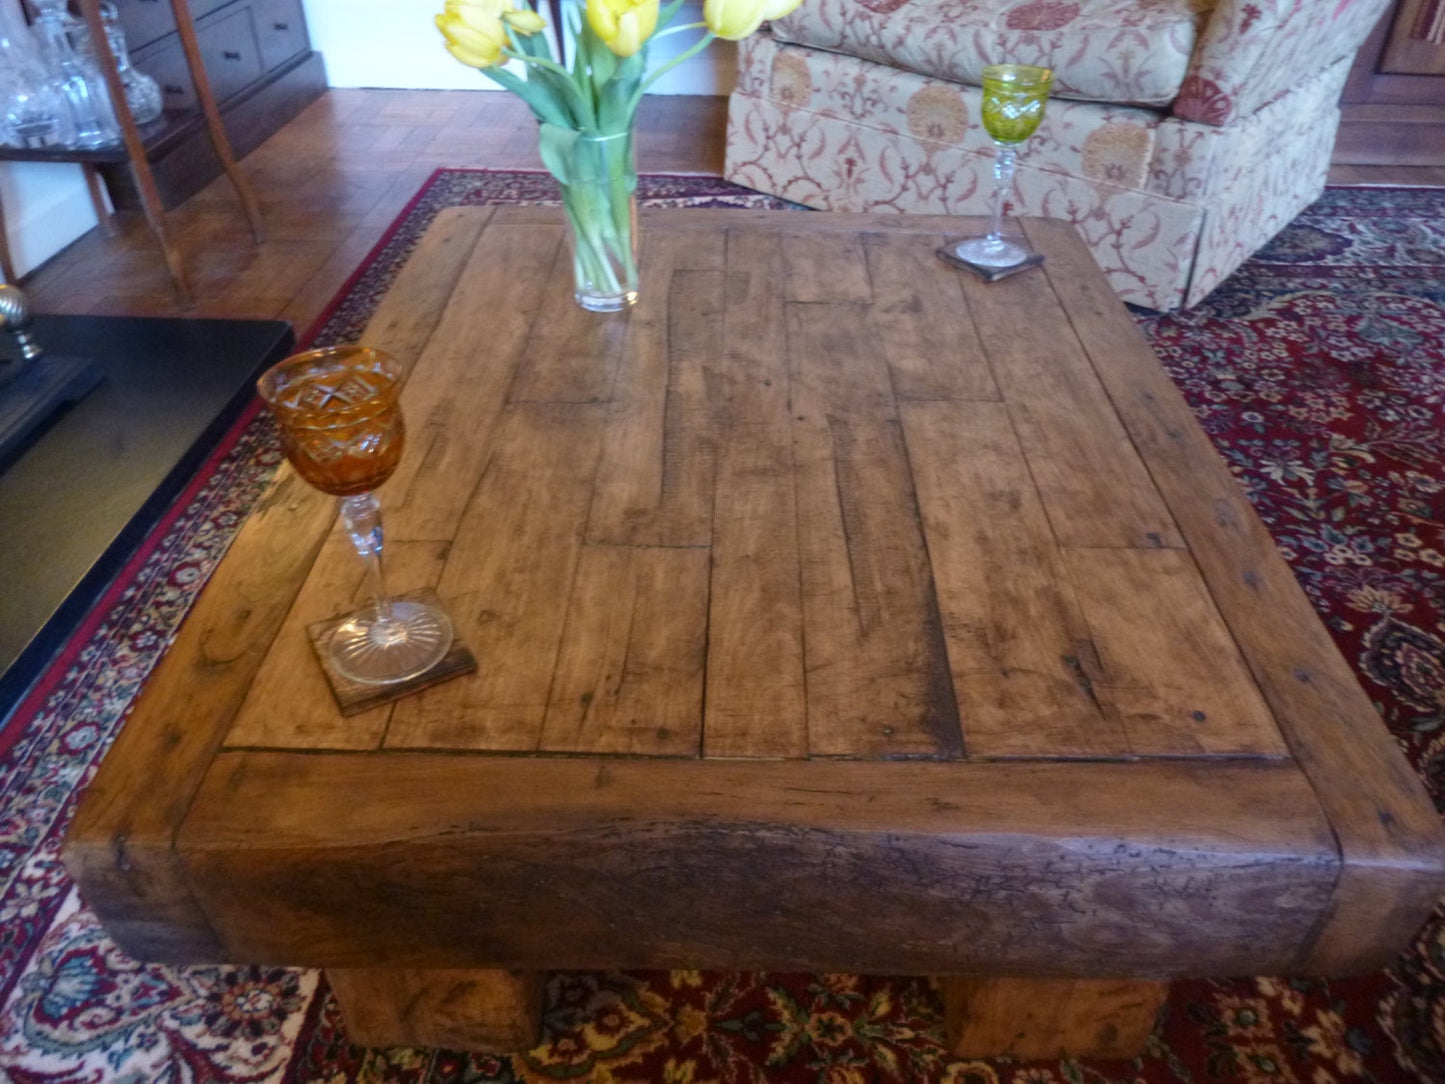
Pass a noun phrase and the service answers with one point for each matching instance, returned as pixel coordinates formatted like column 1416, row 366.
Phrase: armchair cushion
column 1123, row 52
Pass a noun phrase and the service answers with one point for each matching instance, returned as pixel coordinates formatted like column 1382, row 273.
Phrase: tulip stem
column 687, row 54
column 677, row 30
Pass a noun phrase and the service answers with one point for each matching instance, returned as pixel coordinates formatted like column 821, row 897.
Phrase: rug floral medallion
column 1319, row 371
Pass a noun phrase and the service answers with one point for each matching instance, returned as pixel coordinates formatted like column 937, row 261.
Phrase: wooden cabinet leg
column 486, row 1011
column 1043, row 1018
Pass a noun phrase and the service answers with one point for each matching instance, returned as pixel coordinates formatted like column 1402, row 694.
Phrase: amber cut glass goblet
column 341, row 428
column 1013, row 105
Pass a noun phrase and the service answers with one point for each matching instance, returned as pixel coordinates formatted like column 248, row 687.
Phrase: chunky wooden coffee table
column 834, row 610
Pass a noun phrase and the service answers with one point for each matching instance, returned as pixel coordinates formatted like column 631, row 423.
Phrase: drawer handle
column 280, row 26
column 171, row 88
column 231, row 55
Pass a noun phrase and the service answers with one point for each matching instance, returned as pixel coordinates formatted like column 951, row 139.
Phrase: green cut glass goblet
column 1013, row 104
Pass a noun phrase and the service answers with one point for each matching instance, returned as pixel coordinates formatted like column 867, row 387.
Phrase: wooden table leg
column 486, row 1011
column 1043, row 1018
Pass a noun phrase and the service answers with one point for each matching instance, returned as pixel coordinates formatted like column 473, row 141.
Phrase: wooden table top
column 833, row 610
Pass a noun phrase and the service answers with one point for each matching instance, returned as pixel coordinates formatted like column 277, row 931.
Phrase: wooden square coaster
column 353, row 697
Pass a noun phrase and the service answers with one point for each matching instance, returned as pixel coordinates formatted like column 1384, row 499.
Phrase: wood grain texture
column 870, row 866
column 1195, row 698
column 1035, row 1019
column 119, row 847
column 507, row 582
column 1014, row 629
column 1093, row 485
column 1389, row 832
column 490, row 1011
column 900, row 657
column 876, row 663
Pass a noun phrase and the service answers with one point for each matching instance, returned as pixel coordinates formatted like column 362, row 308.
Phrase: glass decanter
column 78, row 76
column 33, row 112
column 142, row 93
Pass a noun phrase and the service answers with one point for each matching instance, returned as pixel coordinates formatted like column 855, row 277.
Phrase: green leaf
column 544, row 107
column 619, row 98
column 556, row 144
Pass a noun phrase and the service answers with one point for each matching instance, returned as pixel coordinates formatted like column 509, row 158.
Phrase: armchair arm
column 1252, row 51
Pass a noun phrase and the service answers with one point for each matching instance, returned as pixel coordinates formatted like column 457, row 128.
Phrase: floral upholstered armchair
column 1182, row 135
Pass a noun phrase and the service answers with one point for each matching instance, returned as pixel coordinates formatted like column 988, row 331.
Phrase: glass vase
column 600, row 197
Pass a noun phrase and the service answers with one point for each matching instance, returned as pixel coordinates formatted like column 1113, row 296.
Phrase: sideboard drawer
column 166, row 64
column 280, row 30
column 145, row 21
column 230, row 52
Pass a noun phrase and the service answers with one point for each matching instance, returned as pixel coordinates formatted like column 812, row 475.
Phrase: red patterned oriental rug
column 1319, row 371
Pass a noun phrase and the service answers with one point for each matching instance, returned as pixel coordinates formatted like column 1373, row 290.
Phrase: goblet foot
column 991, row 252
column 376, row 649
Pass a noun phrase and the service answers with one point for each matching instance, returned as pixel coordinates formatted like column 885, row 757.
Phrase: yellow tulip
column 623, row 25
column 526, row 21
column 733, row 19
column 474, row 31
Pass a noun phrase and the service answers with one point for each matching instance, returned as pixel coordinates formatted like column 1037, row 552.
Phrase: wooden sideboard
column 1393, row 106
column 262, row 69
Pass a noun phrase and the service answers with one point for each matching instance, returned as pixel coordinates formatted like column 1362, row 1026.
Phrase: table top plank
column 1199, row 698
column 290, row 705
column 923, row 323
column 507, row 582
column 1011, row 619
column 694, row 327
column 629, row 675
column 654, row 482
column 824, row 268
column 756, row 684
column 877, row 669
column 1389, row 830
column 472, row 355
column 1096, row 490
column 569, row 355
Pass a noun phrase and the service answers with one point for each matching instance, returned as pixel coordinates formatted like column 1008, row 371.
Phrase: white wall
column 393, row 43
column 47, row 206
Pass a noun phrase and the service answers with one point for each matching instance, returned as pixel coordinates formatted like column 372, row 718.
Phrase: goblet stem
column 1003, row 175
column 361, row 514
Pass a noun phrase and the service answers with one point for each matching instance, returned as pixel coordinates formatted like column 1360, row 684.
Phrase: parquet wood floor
column 332, row 180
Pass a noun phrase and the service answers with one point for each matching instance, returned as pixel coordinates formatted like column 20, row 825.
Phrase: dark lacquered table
column 78, row 496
